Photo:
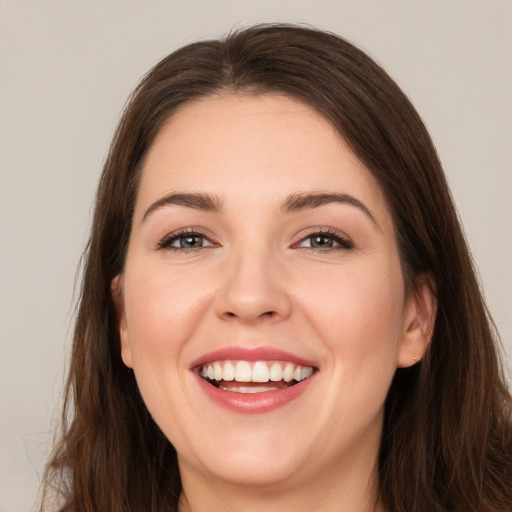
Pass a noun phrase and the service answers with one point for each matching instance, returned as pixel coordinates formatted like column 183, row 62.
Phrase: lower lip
column 254, row 403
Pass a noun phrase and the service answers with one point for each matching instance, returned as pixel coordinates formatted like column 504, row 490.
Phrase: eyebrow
column 307, row 200
column 196, row 200
column 299, row 201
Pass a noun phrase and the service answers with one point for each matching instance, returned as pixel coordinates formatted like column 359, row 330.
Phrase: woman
column 278, row 308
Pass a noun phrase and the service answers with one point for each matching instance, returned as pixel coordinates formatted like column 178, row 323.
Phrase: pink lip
column 250, row 354
column 253, row 403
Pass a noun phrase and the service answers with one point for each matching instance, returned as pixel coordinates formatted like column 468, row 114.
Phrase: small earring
column 415, row 357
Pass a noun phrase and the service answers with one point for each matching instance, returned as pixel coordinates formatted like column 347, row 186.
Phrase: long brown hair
column 447, row 437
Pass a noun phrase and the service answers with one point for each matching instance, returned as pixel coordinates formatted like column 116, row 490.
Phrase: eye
column 326, row 240
column 185, row 241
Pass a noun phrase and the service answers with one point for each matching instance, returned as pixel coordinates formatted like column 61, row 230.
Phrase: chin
column 244, row 471
column 249, row 464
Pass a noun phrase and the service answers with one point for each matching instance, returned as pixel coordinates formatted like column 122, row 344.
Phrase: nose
column 253, row 290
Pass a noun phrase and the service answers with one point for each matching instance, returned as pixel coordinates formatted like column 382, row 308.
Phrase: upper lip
column 237, row 353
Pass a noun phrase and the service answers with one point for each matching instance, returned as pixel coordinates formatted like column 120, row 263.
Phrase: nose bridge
column 253, row 285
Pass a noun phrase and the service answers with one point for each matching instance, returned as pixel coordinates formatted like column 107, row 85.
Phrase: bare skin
column 251, row 266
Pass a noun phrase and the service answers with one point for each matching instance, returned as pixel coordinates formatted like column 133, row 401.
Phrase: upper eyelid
column 300, row 236
column 345, row 240
column 321, row 230
column 192, row 230
column 166, row 239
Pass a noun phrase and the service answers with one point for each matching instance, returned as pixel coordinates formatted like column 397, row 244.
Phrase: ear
column 116, row 288
column 419, row 319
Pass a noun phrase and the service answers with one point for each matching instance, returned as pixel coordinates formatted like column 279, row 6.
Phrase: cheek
column 161, row 309
column 358, row 316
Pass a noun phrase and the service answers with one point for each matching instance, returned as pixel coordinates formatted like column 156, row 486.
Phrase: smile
column 255, row 376
column 253, row 380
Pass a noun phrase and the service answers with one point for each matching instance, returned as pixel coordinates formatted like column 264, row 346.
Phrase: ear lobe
column 419, row 320
column 116, row 288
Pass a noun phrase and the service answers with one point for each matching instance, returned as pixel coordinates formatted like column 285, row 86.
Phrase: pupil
column 321, row 241
column 190, row 242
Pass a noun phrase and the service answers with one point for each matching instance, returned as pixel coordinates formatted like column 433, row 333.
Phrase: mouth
column 253, row 380
column 250, row 377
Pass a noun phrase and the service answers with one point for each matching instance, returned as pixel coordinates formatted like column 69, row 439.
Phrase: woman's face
column 263, row 305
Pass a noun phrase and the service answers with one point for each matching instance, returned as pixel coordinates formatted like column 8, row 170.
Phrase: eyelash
column 167, row 241
column 344, row 242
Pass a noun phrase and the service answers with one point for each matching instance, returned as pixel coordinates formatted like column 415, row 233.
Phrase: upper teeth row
column 259, row 371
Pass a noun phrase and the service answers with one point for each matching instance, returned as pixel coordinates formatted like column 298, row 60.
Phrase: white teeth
column 305, row 372
column 243, row 372
column 288, row 372
column 276, row 372
column 217, row 371
column 260, row 372
column 243, row 389
column 228, row 372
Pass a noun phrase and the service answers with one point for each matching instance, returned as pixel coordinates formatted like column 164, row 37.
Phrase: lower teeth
column 252, row 389
column 249, row 390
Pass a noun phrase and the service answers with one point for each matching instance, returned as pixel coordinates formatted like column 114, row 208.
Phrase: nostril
column 269, row 314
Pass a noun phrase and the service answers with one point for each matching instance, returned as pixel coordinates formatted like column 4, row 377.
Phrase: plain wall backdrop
column 66, row 69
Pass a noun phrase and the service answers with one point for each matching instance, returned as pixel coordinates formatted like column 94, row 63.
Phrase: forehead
column 254, row 147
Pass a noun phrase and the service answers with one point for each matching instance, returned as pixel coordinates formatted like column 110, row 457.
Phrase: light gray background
column 66, row 68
